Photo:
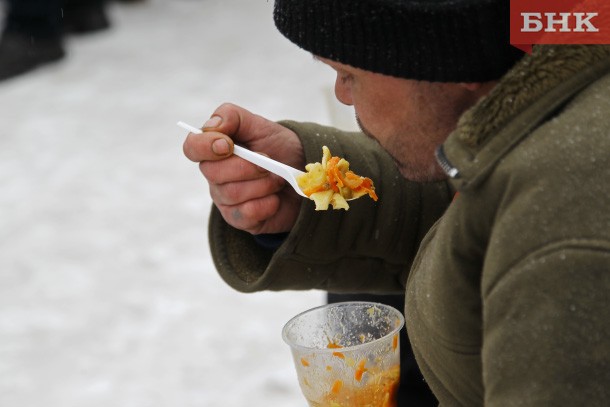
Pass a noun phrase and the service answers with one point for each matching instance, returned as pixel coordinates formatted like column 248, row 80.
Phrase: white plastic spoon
column 276, row 167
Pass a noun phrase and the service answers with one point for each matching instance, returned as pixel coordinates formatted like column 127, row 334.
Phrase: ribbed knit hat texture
column 430, row 40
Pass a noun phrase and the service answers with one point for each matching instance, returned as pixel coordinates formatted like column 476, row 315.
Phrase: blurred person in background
column 33, row 30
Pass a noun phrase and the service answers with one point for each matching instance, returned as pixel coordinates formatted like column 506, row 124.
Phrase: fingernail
column 221, row 147
column 213, row 122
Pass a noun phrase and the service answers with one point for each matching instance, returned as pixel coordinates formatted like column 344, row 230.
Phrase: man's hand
column 248, row 197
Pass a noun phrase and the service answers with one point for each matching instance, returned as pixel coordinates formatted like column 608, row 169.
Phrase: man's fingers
column 228, row 122
column 207, row 146
column 235, row 193
column 251, row 215
column 231, row 169
column 241, row 124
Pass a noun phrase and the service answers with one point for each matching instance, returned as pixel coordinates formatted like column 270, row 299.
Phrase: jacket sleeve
column 368, row 248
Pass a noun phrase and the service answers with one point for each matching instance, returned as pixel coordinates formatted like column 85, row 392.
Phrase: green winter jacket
column 508, row 286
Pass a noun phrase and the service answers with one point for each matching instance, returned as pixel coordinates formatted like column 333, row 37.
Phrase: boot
column 20, row 53
column 84, row 17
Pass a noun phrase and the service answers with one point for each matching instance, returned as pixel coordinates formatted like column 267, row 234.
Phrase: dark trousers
column 413, row 390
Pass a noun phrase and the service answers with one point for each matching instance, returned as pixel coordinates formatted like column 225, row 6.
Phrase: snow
column 108, row 296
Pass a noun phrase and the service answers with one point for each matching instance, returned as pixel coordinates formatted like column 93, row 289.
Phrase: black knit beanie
column 429, row 40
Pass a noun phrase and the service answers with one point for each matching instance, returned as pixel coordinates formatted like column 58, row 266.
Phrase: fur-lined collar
column 536, row 87
column 532, row 77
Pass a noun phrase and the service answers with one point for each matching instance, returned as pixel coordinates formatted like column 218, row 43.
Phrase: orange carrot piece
column 337, row 385
column 339, row 355
column 360, row 370
column 352, row 180
column 334, row 345
column 331, row 173
column 313, row 190
column 304, row 362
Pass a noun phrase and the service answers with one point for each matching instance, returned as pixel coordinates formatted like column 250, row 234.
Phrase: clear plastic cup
column 347, row 354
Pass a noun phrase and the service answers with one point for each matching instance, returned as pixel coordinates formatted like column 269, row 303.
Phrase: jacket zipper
column 444, row 163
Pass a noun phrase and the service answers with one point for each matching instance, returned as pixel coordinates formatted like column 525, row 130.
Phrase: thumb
column 236, row 122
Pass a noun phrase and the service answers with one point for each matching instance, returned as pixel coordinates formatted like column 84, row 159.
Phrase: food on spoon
column 331, row 182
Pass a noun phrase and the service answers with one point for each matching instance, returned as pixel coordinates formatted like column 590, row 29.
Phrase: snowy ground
column 108, row 296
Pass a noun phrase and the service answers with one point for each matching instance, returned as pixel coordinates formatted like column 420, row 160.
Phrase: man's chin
column 431, row 174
